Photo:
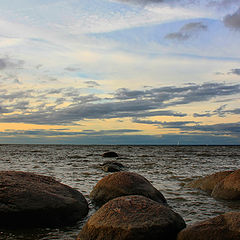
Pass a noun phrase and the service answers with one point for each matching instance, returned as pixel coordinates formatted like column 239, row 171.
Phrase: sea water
column 168, row 168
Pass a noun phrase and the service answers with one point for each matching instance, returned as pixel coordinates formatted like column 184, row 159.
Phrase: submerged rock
column 28, row 199
column 112, row 166
column 122, row 184
column 229, row 187
column 110, row 155
column 209, row 182
column 222, row 227
column 132, row 218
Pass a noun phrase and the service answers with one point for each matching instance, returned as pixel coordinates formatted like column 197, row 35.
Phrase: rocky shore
column 127, row 206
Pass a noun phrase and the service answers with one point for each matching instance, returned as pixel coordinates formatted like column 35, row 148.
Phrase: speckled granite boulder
column 229, row 187
column 27, row 199
column 132, row 218
column 209, row 182
column 222, row 227
column 122, row 184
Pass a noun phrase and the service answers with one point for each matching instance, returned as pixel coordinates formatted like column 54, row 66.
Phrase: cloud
column 187, row 31
column 187, row 127
column 124, row 103
column 233, row 20
column 92, row 84
column 65, row 132
column 6, row 63
column 235, row 71
column 221, row 112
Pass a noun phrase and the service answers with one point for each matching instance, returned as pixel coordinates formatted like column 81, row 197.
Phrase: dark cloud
column 233, row 20
column 221, row 112
column 124, row 103
column 65, row 132
column 232, row 129
column 235, row 71
column 92, row 84
column 7, row 63
column 187, row 31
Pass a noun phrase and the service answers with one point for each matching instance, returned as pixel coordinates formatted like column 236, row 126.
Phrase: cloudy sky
column 120, row 71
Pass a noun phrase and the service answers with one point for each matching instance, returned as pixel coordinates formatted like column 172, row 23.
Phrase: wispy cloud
column 187, row 31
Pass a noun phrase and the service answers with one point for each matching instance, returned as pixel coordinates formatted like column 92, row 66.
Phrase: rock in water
column 222, row 227
column 209, row 182
column 110, row 155
column 122, row 184
column 112, row 166
column 229, row 187
column 28, row 199
column 132, row 218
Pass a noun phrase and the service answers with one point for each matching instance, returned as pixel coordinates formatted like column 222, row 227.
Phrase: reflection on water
column 168, row 168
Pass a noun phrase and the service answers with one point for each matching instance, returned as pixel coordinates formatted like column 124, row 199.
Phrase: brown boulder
column 208, row 183
column 132, row 218
column 222, row 227
column 27, row 199
column 122, row 184
column 229, row 187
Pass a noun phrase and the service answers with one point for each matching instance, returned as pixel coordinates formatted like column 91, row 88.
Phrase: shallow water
column 168, row 168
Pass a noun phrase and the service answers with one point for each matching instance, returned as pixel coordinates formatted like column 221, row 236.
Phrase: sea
column 168, row 168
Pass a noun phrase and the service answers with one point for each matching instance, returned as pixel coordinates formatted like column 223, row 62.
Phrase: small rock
column 112, row 166
column 110, row 155
column 122, row 184
column 222, row 227
column 28, row 199
column 132, row 218
column 229, row 187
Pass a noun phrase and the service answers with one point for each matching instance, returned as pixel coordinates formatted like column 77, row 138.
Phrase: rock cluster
column 28, row 199
column 221, row 185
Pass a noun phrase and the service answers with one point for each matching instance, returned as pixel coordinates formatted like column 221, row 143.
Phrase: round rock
column 112, row 166
column 222, row 227
column 122, row 184
column 209, row 182
column 229, row 187
column 132, row 218
column 28, row 199
column 110, row 155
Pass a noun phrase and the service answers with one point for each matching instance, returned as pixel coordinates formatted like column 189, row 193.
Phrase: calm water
column 169, row 168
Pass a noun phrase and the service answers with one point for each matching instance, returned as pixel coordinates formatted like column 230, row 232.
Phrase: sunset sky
column 120, row 72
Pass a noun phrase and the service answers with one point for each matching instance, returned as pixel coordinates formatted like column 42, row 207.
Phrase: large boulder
column 27, row 199
column 229, row 187
column 122, row 184
column 209, row 182
column 110, row 155
column 222, row 227
column 132, row 218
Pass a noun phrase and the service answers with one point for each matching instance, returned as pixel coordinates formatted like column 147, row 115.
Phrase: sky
column 120, row 72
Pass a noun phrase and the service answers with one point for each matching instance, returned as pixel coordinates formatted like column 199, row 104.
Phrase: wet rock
column 209, row 182
column 222, row 227
column 229, row 187
column 27, row 199
column 122, row 184
column 110, row 155
column 112, row 166
column 132, row 218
